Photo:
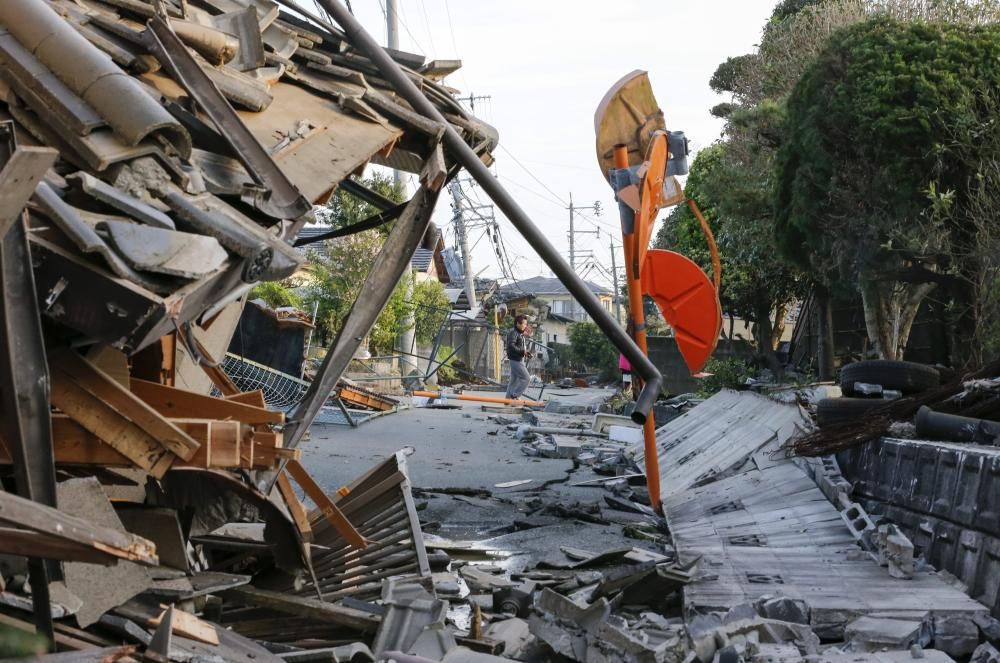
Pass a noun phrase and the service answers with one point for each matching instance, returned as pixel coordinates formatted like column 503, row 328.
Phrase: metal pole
column 467, row 157
column 614, row 278
column 407, row 336
column 463, row 242
column 637, row 315
column 572, row 244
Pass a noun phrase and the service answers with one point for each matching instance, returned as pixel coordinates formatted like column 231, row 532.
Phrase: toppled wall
column 946, row 499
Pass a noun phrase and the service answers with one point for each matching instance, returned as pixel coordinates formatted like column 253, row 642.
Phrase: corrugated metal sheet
column 380, row 506
column 718, row 436
column 765, row 529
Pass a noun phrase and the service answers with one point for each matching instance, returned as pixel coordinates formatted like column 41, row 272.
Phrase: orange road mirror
column 688, row 301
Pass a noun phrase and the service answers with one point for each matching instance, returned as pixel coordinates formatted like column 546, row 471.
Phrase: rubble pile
column 158, row 159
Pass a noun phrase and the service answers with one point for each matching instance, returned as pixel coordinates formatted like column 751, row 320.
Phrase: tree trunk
column 779, row 325
column 764, row 333
column 823, row 316
column 890, row 309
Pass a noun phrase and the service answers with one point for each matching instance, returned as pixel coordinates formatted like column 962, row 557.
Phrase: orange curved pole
column 632, row 249
column 712, row 246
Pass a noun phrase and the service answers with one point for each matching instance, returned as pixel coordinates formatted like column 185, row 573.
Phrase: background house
column 562, row 310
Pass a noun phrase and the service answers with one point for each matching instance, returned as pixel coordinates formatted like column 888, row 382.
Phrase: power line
column 430, row 34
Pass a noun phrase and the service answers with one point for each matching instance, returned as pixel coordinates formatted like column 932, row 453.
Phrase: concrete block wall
column 944, row 497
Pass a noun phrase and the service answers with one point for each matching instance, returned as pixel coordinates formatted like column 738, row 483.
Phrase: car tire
column 840, row 411
column 905, row 376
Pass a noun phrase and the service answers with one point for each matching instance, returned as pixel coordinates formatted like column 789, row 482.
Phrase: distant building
column 561, row 308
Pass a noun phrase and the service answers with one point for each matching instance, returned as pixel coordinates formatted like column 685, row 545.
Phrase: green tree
column 432, row 308
column 591, row 349
column 335, row 280
column 277, row 293
column 756, row 286
column 866, row 183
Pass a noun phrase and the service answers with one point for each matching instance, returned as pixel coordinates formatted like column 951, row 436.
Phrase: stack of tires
column 904, row 376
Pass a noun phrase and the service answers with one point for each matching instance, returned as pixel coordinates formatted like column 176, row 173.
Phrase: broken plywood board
column 772, row 532
column 313, row 141
column 188, row 375
column 718, row 436
column 100, row 589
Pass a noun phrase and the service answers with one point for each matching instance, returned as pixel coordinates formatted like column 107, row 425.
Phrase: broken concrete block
column 776, row 653
column 895, row 551
column 480, row 581
column 568, row 448
column 869, row 634
column 985, row 653
column 626, row 434
column 955, row 635
column 784, row 609
column 514, row 633
column 988, row 626
column 557, row 407
column 446, row 584
column 860, row 525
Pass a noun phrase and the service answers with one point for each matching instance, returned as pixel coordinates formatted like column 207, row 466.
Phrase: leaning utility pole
column 407, row 342
column 614, row 279
column 463, row 242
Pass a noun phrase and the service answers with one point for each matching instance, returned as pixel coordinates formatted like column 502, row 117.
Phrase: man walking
column 517, row 352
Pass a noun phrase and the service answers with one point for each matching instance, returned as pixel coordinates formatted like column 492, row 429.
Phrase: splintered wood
column 152, row 426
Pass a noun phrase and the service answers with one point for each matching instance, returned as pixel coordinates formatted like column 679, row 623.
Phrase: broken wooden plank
column 34, row 544
column 25, row 514
column 187, row 625
column 75, row 445
column 18, row 179
column 325, row 504
column 295, row 507
column 65, row 642
column 172, row 402
column 306, row 607
column 89, row 377
column 109, row 426
column 254, row 398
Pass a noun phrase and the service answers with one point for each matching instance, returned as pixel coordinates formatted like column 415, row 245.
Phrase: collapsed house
column 159, row 159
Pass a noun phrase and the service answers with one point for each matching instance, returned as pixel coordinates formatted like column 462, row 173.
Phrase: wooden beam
column 25, row 543
column 75, row 445
column 108, row 425
column 25, row 514
column 127, row 404
column 187, row 625
column 330, row 613
column 168, row 359
column 223, row 449
column 326, row 505
column 65, row 642
column 171, row 402
column 254, row 398
column 295, row 507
